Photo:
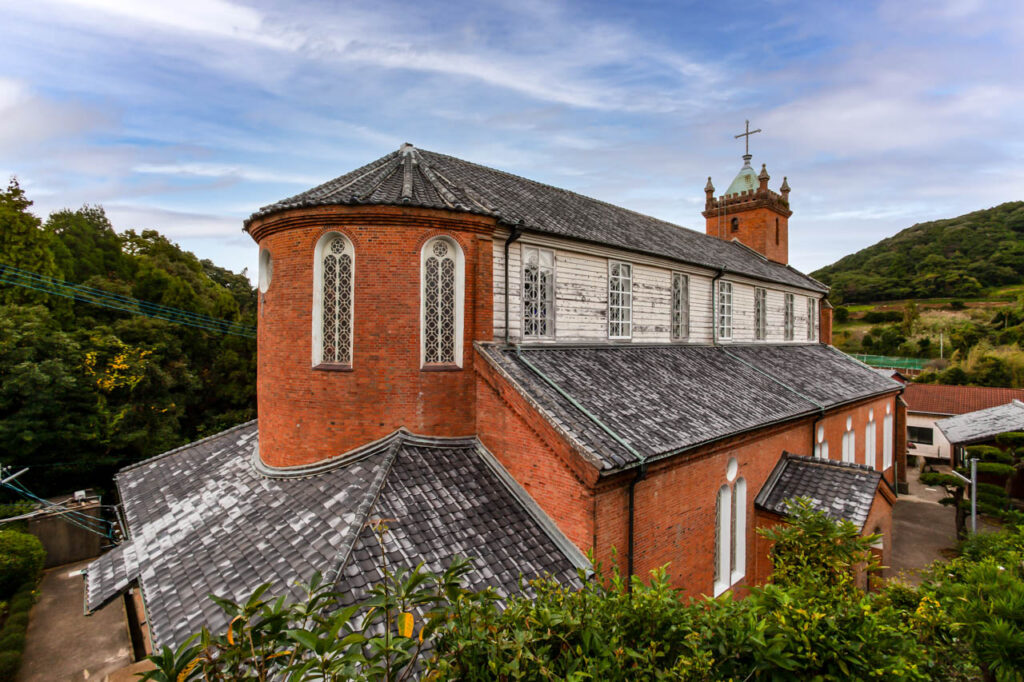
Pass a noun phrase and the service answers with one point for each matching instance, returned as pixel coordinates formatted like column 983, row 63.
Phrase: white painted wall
column 941, row 447
column 581, row 297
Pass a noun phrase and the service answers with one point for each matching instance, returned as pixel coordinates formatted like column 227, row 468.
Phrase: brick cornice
column 325, row 217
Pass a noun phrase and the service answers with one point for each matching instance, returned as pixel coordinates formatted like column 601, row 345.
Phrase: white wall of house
column 581, row 296
column 940, row 447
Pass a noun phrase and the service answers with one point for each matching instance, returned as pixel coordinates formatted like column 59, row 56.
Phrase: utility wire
column 67, row 514
column 51, row 285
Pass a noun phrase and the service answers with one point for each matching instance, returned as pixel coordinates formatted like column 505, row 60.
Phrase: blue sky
column 188, row 116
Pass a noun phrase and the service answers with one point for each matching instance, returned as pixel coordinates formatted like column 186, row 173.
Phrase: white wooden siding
column 581, row 300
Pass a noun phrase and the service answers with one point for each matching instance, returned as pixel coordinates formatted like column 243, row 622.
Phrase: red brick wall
column 757, row 229
column 835, row 425
column 536, row 455
column 676, row 505
column 309, row 414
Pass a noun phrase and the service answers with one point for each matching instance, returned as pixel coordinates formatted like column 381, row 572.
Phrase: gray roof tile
column 417, row 177
column 983, row 424
column 203, row 520
column 844, row 491
column 664, row 399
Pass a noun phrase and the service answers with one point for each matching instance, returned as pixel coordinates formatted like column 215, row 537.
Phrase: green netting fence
column 892, row 362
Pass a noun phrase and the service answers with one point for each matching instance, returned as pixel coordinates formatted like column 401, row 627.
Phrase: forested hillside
column 957, row 257
column 84, row 389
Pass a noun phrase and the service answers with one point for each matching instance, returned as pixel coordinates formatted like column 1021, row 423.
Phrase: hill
column 953, row 258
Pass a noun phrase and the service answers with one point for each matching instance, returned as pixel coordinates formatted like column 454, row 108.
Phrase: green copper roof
column 746, row 179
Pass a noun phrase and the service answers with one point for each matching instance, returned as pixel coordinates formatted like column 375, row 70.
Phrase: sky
column 187, row 116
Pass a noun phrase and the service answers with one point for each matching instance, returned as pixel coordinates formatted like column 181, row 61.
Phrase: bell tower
column 749, row 212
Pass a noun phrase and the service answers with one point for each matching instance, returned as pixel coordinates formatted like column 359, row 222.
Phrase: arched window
column 442, row 300
column 849, row 442
column 333, row 276
column 821, row 447
column 722, row 540
column 730, row 530
column 870, row 441
column 739, row 530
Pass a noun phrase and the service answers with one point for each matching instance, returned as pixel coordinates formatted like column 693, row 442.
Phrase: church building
column 498, row 368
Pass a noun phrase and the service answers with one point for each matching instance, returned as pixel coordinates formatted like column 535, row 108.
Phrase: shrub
column 1014, row 440
column 21, row 560
column 841, row 314
column 21, row 602
column 957, row 305
column 12, row 640
column 17, row 620
column 987, row 453
column 10, row 662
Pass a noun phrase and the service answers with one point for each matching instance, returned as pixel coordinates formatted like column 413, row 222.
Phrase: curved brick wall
column 309, row 414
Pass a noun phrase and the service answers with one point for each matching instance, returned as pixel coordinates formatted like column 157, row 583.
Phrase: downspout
column 714, row 306
column 515, row 234
column 641, row 472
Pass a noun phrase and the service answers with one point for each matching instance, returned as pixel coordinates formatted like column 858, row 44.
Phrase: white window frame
column 680, row 331
column 460, row 299
column 318, row 299
column 887, row 439
column 849, row 442
column 723, row 310
column 789, row 314
column 812, row 319
column 627, row 293
column 760, row 313
column 550, row 319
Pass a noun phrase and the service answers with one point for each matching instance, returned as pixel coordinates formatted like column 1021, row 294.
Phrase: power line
column 51, row 285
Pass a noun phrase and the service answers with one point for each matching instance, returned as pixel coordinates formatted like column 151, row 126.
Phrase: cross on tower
column 747, row 135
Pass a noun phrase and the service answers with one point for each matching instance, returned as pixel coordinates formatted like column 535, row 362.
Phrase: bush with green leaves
column 810, row 622
column 21, row 560
column 982, row 594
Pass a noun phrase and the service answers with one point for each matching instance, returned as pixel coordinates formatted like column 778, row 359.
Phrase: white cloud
column 215, row 170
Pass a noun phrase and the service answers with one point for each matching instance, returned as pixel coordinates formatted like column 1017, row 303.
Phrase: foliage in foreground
column 21, row 563
column 812, row 621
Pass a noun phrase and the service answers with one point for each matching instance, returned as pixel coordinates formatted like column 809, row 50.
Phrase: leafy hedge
column 21, row 562
column 812, row 622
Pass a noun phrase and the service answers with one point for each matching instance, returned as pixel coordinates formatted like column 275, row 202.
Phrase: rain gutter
column 641, row 471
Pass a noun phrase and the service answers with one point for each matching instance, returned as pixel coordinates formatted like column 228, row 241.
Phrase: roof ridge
column 178, row 449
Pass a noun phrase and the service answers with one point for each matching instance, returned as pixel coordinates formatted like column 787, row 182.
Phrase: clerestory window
column 789, row 315
column 538, row 293
column 724, row 310
column 760, row 314
column 620, row 300
column 812, row 319
column 442, row 300
column 333, row 309
column 680, row 306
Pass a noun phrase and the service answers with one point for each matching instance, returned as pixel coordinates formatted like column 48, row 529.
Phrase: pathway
column 63, row 644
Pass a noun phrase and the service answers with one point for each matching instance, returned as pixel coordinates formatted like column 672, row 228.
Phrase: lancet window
column 333, row 308
column 442, row 302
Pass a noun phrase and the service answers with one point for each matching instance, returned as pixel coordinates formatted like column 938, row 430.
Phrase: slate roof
column 939, row 399
column 204, row 520
column 842, row 490
column 417, row 177
column 983, row 424
column 659, row 400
